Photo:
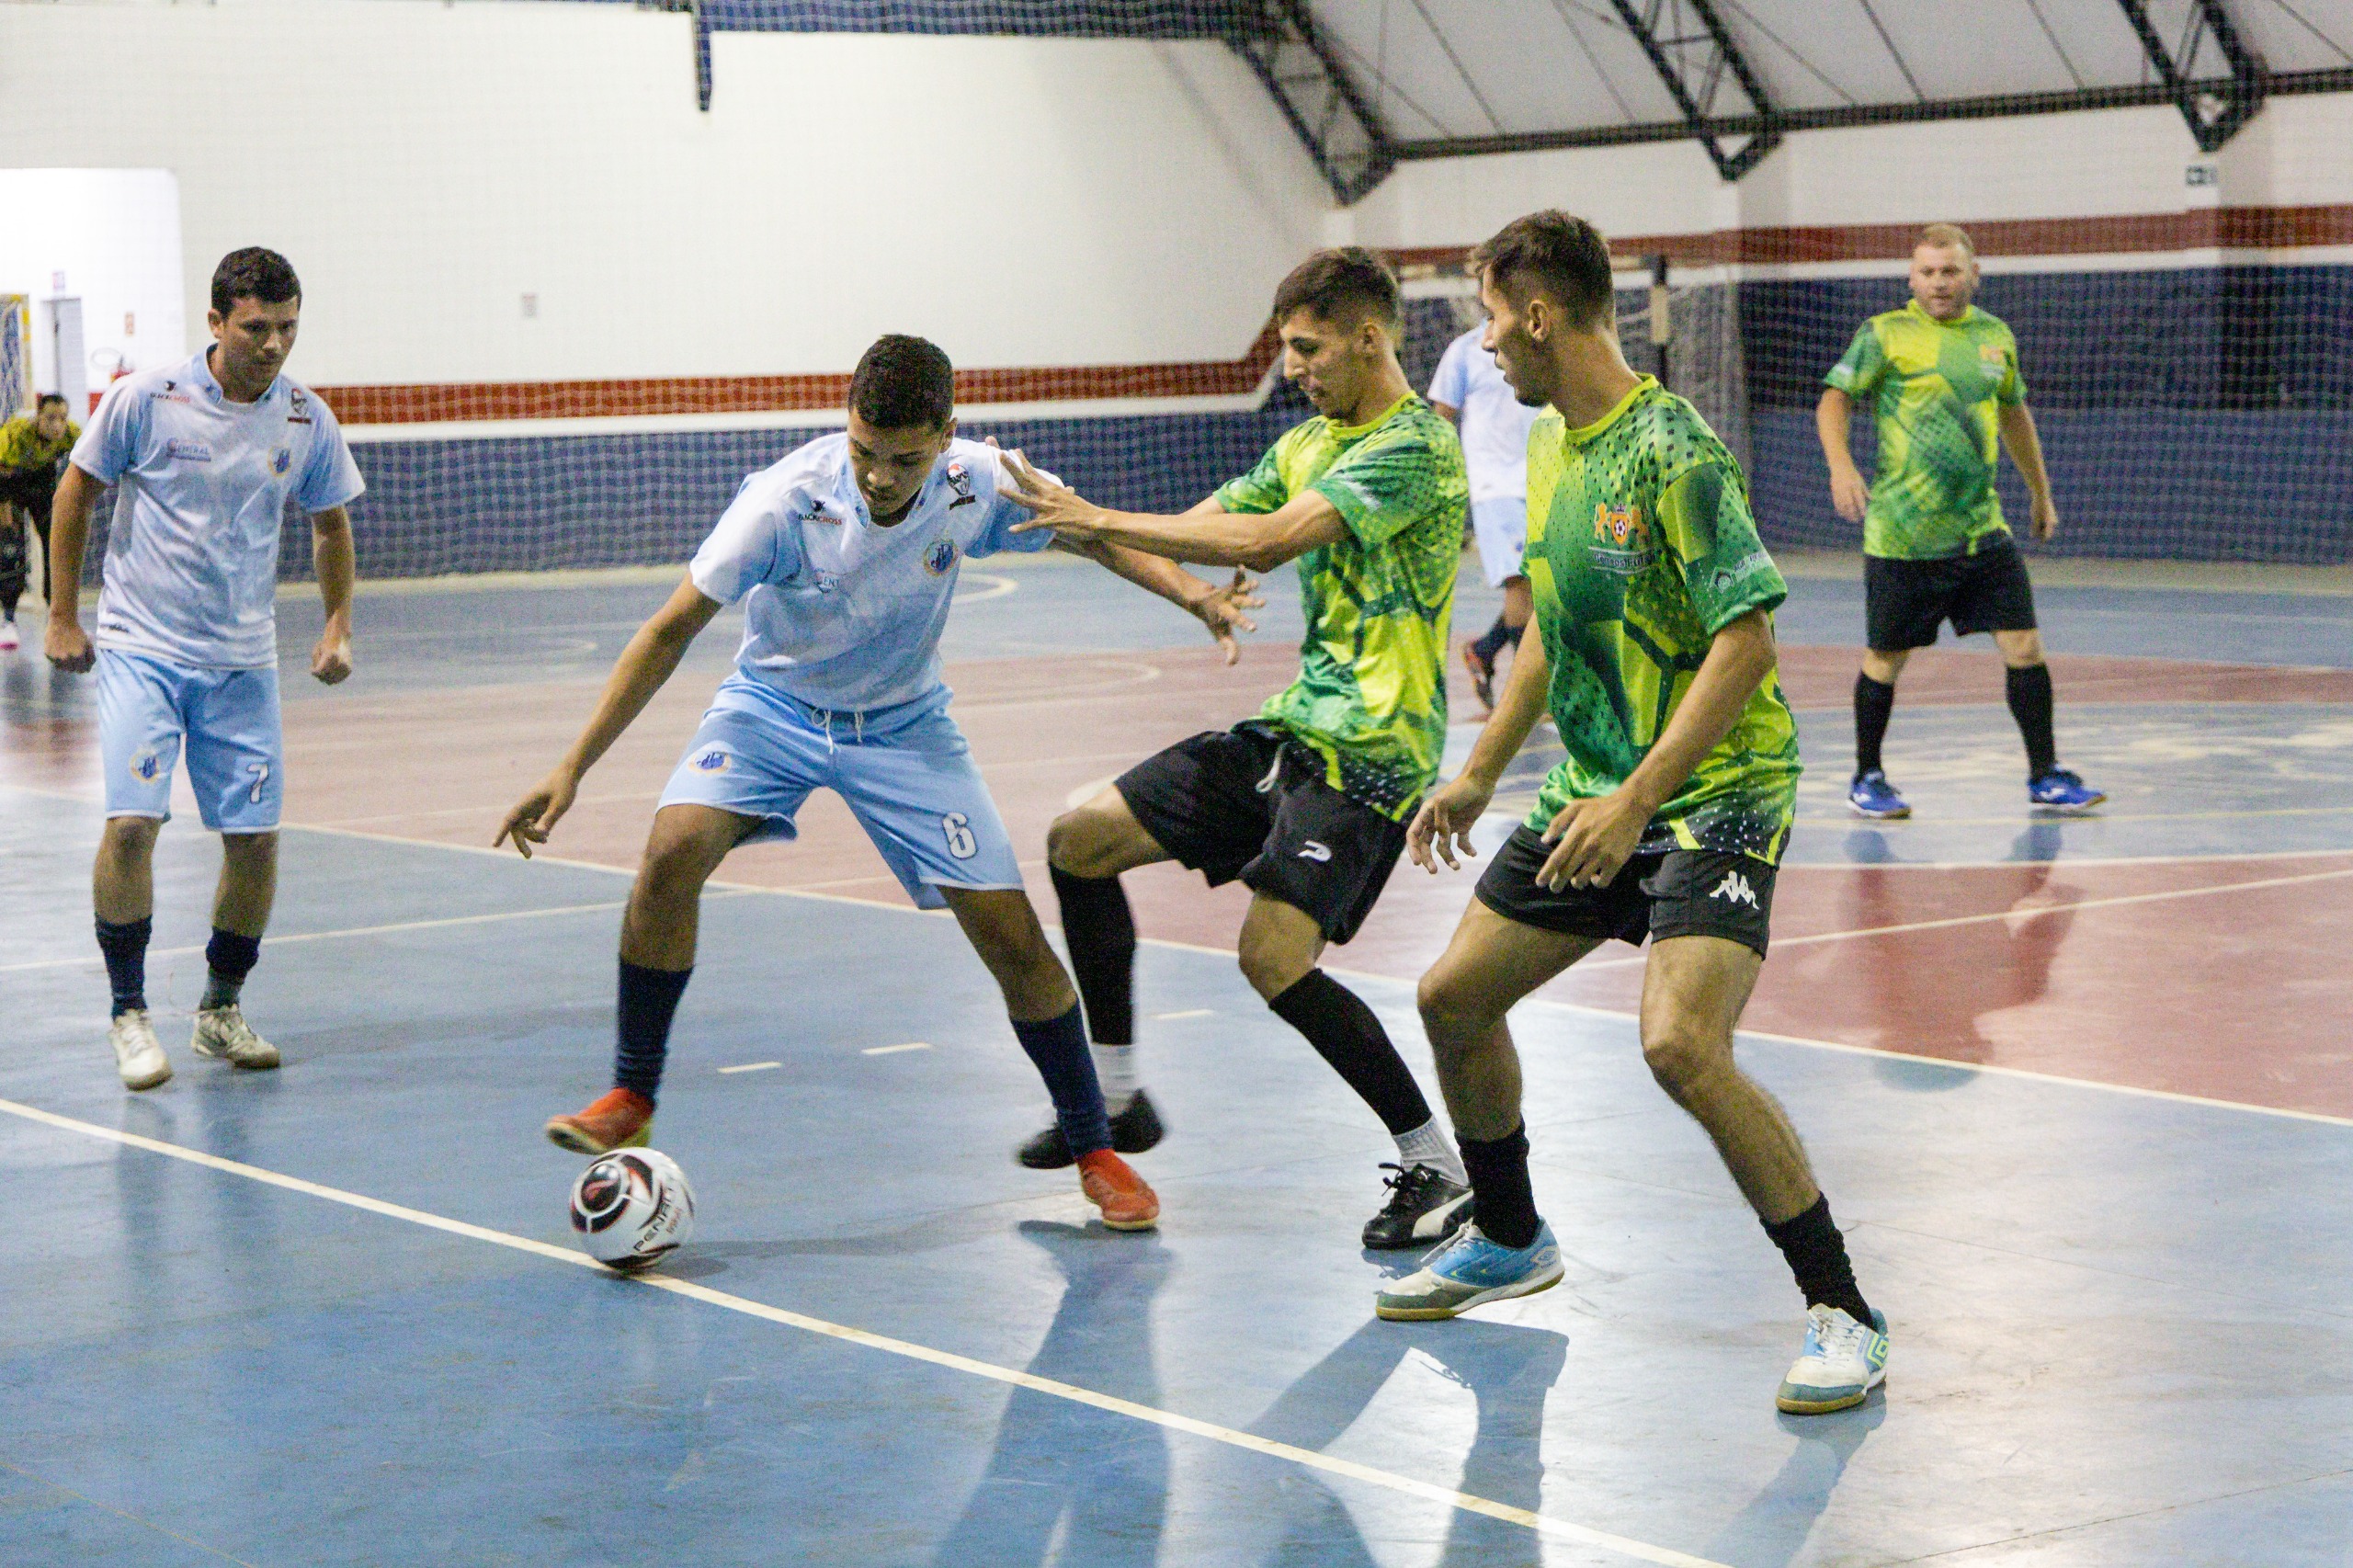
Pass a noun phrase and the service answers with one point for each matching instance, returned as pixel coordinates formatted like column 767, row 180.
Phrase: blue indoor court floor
column 333, row 1315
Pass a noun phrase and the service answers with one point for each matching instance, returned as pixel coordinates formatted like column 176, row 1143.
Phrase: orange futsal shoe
column 1112, row 1185
column 621, row 1119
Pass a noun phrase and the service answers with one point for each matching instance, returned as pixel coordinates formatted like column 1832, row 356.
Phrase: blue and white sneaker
column 1471, row 1273
column 1872, row 796
column 2064, row 791
column 1842, row 1361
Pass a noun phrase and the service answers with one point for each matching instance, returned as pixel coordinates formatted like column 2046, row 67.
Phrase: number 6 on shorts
column 959, row 829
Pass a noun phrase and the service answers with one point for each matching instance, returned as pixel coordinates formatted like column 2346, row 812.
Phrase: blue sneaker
column 2064, row 791
column 1471, row 1273
column 1842, row 1361
column 1872, row 796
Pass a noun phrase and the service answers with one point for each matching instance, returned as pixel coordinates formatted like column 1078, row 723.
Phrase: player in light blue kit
column 1468, row 388
column 846, row 554
column 204, row 457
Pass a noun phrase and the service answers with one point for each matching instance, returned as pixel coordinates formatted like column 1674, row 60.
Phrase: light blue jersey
column 1494, row 422
column 201, row 487
column 843, row 616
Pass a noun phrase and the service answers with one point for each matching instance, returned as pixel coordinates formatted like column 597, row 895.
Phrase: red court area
column 2224, row 977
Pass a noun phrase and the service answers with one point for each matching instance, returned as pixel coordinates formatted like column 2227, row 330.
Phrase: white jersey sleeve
column 330, row 478
column 109, row 444
column 1452, row 384
column 753, row 543
column 1006, row 514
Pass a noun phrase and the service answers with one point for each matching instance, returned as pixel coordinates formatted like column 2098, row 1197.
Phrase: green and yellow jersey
column 1370, row 696
column 1640, row 548
column 22, row 449
column 1933, row 388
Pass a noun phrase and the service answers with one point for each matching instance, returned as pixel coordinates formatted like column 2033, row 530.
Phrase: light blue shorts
column 149, row 708
column 906, row 772
column 1500, row 528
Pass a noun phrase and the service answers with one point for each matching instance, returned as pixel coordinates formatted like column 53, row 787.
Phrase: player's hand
column 2046, row 518
column 1057, row 506
column 1592, row 841
column 331, row 660
column 536, row 814
column 1221, row 610
column 68, row 646
column 1850, row 494
column 1445, row 822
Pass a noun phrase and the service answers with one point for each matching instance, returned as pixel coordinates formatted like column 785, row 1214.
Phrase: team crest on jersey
column 941, row 557
column 959, row 480
column 1990, row 354
column 281, row 459
column 711, row 759
column 1621, row 540
column 146, row 765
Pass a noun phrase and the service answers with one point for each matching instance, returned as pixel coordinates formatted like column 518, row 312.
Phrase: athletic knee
column 1078, row 845
column 1273, row 968
column 1684, row 1058
column 1452, row 1011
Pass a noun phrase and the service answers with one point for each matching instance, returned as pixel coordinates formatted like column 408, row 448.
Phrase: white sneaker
column 8, row 636
column 138, row 1054
column 223, row 1032
column 1843, row 1360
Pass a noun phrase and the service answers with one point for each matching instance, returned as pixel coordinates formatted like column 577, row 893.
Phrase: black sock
column 1817, row 1255
column 2030, row 694
column 1101, row 935
column 1513, row 633
column 649, row 1000
column 1874, row 701
column 1505, row 1203
column 125, row 946
column 1492, row 642
column 1058, row 1047
column 1346, row 1033
column 228, row 958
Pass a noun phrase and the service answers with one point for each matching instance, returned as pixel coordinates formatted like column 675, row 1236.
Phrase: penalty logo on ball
column 631, row 1209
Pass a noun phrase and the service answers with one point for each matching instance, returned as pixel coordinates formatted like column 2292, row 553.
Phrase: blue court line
column 1542, row 1524
column 141, row 1520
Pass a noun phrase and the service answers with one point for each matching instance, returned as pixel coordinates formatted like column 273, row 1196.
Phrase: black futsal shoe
column 1426, row 1208
column 1133, row 1130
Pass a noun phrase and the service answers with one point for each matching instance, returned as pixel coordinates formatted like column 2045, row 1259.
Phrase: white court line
column 2035, row 911
column 1187, row 1013
column 894, row 1049
column 1542, row 1524
column 751, row 1067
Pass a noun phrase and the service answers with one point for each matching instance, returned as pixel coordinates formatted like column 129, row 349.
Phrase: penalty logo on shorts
column 709, row 760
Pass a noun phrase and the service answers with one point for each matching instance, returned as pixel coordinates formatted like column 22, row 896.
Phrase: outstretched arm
column 1204, row 536
column 1222, row 609
column 651, row 655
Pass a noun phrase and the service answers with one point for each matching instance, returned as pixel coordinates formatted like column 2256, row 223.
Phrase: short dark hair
column 1564, row 255
column 902, row 381
column 1333, row 282
column 254, row 273
column 47, row 398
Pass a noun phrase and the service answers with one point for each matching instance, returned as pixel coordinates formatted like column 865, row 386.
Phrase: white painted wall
column 113, row 236
column 2299, row 151
column 425, row 165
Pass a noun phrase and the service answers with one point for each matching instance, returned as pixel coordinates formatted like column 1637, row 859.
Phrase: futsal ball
column 631, row 1209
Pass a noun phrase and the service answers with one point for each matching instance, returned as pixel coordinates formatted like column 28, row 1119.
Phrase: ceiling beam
column 1786, row 121
column 1302, row 67
column 2215, row 110
column 1694, row 64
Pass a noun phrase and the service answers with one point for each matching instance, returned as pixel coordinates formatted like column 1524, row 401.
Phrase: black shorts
column 1905, row 600
column 1683, row 893
column 1250, row 802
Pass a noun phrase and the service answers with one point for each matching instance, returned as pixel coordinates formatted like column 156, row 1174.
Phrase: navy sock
column 1100, row 932
column 1492, row 641
column 228, row 958
column 1505, row 1202
column 649, row 999
column 125, row 946
column 1817, row 1255
column 1058, row 1047
column 1874, row 704
column 1348, row 1035
column 2029, row 693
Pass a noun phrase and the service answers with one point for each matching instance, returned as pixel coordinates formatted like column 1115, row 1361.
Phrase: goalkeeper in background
column 1942, row 379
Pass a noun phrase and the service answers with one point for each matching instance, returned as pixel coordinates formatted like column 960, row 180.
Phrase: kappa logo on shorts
column 1311, row 851
column 711, row 759
column 1734, row 888
column 146, row 765
column 941, row 557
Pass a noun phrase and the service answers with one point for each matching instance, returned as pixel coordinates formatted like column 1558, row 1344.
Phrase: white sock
column 1428, row 1145
column 1115, row 1068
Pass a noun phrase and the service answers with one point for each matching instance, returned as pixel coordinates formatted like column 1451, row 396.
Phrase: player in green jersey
column 1655, row 655
column 1305, row 804
column 1942, row 379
